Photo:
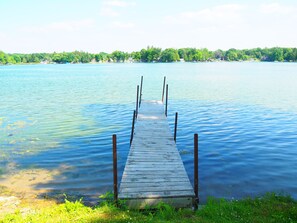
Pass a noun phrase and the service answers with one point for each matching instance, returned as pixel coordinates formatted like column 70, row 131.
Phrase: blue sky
column 130, row 25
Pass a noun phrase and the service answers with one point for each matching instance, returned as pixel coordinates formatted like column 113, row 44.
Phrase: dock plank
column 154, row 171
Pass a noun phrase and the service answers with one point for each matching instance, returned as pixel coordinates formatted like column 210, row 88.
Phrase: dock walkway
column 154, row 171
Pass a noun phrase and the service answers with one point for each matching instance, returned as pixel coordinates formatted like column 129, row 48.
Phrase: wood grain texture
column 154, row 170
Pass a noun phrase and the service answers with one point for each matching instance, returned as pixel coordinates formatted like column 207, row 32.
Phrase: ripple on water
column 66, row 116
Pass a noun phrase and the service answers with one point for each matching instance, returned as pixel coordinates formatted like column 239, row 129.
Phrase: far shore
column 154, row 62
column 155, row 55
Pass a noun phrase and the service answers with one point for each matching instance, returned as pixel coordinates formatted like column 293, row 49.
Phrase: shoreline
column 156, row 55
column 190, row 62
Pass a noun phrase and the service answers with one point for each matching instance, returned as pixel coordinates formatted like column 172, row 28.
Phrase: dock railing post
column 163, row 88
column 132, row 130
column 140, row 95
column 175, row 126
column 115, row 168
column 166, row 102
column 196, row 202
column 137, row 96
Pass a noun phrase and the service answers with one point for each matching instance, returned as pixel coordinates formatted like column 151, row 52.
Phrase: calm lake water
column 60, row 119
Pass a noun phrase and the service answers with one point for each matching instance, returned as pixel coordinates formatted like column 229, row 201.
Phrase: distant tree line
column 153, row 54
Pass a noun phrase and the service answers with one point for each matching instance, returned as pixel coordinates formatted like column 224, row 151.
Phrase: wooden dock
column 154, row 171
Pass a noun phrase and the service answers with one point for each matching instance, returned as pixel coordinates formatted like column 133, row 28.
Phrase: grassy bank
column 269, row 208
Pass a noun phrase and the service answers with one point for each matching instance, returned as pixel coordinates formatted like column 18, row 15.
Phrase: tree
column 101, row 57
column 9, row 59
column 190, row 52
column 182, row 53
column 288, row 54
column 255, row 53
column 231, row 55
column 206, row 54
column 169, row 55
column 153, row 54
column 219, row 55
column 2, row 58
column 198, row 56
column 119, row 56
column 136, row 56
column 150, row 54
column 295, row 54
column 16, row 58
column 277, row 54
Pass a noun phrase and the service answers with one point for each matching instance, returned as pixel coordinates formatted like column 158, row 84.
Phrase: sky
column 28, row 26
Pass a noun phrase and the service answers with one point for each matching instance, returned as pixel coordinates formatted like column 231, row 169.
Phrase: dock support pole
column 166, row 100
column 132, row 130
column 175, row 126
column 163, row 88
column 196, row 202
column 137, row 96
column 140, row 95
column 115, row 168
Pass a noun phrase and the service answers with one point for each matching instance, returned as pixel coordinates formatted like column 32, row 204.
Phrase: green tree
column 150, row 54
column 119, row 56
column 17, row 58
column 33, row 58
column 24, row 59
column 182, row 54
column 255, row 53
column 136, row 56
column 84, row 57
column 105, row 56
column 219, row 54
column 191, row 54
column 2, row 58
column 206, row 54
column 99, row 57
column 198, row 56
column 295, row 54
column 9, row 59
column 288, row 54
column 277, row 54
column 169, row 55
column 231, row 55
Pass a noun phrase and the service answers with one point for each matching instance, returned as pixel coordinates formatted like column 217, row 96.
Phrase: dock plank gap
column 154, row 171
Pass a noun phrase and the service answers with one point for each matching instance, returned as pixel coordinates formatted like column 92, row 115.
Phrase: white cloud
column 223, row 14
column 276, row 8
column 236, row 25
column 123, row 25
column 67, row 26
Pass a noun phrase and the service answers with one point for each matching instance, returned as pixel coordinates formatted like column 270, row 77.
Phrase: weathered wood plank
column 151, row 178
column 153, row 164
column 165, row 165
column 134, row 180
column 159, row 173
column 154, row 189
column 158, row 194
column 154, row 170
column 140, row 186
column 154, row 184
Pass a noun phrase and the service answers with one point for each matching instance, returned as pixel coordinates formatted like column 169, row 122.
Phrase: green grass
column 269, row 208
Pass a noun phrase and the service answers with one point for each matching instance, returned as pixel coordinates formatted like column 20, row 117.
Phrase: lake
column 56, row 124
